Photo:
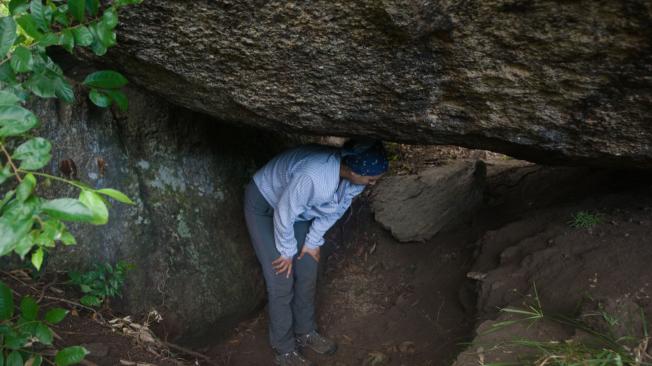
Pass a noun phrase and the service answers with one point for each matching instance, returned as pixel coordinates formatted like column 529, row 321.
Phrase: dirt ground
column 390, row 303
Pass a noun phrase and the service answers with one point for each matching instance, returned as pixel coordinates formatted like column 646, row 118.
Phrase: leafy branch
column 30, row 225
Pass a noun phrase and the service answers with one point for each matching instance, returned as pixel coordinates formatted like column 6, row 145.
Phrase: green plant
column 595, row 347
column 584, row 220
column 30, row 225
column 26, row 336
column 101, row 282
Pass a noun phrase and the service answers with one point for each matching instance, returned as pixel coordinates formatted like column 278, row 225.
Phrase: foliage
column 29, row 224
column 101, row 282
column 584, row 220
column 21, row 331
column 595, row 347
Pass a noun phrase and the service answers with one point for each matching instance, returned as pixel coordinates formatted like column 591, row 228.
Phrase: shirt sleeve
column 320, row 225
column 292, row 203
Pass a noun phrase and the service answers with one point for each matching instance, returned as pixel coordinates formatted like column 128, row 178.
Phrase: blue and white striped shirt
column 304, row 184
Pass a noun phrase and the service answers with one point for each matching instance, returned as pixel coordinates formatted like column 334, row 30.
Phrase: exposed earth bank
column 391, row 303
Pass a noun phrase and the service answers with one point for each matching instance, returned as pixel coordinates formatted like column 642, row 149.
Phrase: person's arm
column 320, row 225
column 292, row 203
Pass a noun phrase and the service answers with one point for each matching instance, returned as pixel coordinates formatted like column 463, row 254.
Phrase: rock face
column 546, row 81
column 186, row 233
column 416, row 207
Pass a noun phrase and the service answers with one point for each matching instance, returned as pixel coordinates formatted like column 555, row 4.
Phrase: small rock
column 407, row 347
column 97, row 349
column 626, row 235
column 376, row 359
column 478, row 276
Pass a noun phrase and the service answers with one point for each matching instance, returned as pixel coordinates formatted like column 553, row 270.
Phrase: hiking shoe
column 292, row 358
column 317, row 343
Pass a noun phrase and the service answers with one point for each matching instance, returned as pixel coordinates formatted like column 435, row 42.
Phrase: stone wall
column 186, row 234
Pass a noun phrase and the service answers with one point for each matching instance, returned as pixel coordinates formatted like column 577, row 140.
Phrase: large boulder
column 416, row 207
column 546, row 81
column 185, row 234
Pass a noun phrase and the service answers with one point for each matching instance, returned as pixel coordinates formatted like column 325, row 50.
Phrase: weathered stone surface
column 546, row 81
column 416, row 207
column 186, row 233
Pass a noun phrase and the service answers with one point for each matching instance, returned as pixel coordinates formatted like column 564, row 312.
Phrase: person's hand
column 282, row 265
column 313, row 252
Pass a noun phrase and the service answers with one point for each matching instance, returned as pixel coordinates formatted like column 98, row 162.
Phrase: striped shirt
column 304, row 184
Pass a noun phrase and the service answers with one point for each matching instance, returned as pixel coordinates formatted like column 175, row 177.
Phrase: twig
column 189, row 352
column 45, row 287
column 95, row 312
column 11, row 162
column 58, row 299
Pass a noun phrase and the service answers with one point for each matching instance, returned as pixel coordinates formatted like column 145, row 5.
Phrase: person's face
column 365, row 180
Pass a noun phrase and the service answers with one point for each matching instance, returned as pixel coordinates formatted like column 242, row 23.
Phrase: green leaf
column 99, row 99
column 42, row 86
column 67, row 238
column 35, row 360
column 18, row 6
column 70, row 356
column 49, row 39
column 7, row 34
column 116, row 195
column 103, row 34
column 64, row 90
column 77, row 9
column 68, row 209
column 120, row 3
column 92, row 6
column 36, row 8
column 94, row 201
column 119, row 98
column 106, row 79
column 67, row 40
column 83, row 36
column 16, row 120
column 8, row 196
column 15, row 359
column 98, row 48
column 5, row 173
column 25, row 188
column 55, row 315
column 2, row 359
column 7, row 73
column 34, row 153
column 110, row 18
column 17, row 210
column 24, row 246
column 28, row 308
column 8, row 98
column 6, row 302
column 44, row 333
column 90, row 300
column 27, row 22
column 37, row 258
column 12, row 234
column 21, row 59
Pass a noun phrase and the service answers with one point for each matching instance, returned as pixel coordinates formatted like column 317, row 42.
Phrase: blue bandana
column 366, row 158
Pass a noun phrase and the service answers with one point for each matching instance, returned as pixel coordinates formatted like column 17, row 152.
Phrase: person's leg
column 305, row 285
column 260, row 223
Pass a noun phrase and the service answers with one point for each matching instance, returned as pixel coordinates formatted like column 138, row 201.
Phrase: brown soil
column 388, row 303
column 86, row 327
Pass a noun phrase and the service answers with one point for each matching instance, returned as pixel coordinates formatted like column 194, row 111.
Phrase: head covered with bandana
column 365, row 157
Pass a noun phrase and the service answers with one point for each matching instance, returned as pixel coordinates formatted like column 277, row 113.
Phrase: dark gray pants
column 291, row 301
